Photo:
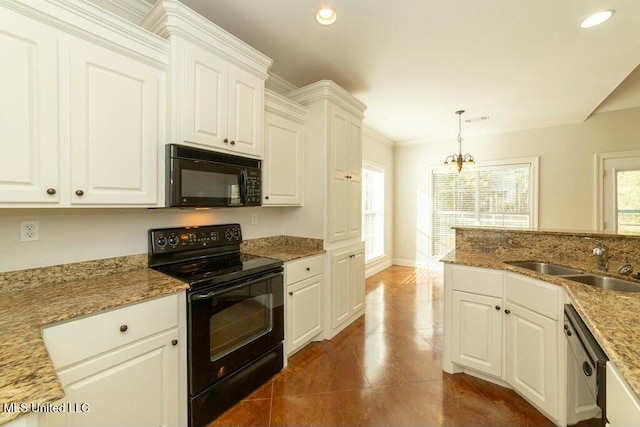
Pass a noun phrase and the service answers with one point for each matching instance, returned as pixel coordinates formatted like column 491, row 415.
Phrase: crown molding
column 327, row 90
column 92, row 23
column 279, row 85
column 170, row 18
column 373, row 134
column 283, row 106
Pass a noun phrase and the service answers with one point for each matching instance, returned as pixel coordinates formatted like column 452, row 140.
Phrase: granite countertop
column 283, row 248
column 613, row 317
column 33, row 299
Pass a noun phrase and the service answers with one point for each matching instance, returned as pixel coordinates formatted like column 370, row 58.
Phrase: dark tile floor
column 384, row 370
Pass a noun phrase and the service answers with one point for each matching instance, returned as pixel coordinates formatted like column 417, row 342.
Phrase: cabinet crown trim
column 169, row 18
column 328, row 90
column 94, row 24
column 283, row 106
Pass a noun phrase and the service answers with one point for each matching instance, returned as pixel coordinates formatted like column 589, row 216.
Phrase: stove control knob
column 236, row 233
column 173, row 240
column 161, row 242
column 228, row 234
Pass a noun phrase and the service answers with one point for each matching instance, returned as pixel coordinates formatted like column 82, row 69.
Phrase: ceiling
column 525, row 64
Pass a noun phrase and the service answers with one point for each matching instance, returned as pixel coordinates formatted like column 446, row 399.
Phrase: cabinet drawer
column 480, row 281
column 536, row 295
column 79, row 339
column 304, row 268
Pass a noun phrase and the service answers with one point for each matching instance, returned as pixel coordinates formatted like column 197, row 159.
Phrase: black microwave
column 203, row 178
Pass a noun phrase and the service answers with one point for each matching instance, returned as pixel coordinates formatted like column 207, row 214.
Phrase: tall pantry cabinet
column 332, row 172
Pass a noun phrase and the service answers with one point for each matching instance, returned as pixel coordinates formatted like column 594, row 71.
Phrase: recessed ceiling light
column 597, row 18
column 326, row 16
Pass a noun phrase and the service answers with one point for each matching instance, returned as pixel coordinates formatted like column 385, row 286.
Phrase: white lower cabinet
column 477, row 343
column 506, row 326
column 129, row 370
column 623, row 407
column 305, row 301
column 347, row 286
column 532, row 357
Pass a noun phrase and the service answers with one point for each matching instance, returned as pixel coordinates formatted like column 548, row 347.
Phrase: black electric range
column 235, row 313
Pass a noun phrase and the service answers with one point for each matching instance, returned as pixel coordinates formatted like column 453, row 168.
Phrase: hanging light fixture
column 458, row 160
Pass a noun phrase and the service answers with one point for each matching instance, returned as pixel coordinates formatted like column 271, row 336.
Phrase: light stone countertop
column 33, row 299
column 283, row 248
column 26, row 372
column 613, row 317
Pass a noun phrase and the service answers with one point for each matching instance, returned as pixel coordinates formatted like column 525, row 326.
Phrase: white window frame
column 599, row 184
column 534, row 169
column 377, row 168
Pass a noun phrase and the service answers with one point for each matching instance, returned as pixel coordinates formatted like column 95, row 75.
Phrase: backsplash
column 564, row 247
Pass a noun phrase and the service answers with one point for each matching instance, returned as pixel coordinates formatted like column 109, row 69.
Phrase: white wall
column 379, row 150
column 74, row 235
column 567, row 173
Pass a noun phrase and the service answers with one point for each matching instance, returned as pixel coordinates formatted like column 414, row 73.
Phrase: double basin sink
column 602, row 282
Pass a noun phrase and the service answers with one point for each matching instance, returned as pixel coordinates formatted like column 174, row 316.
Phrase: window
column 500, row 195
column 618, row 196
column 628, row 198
column 373, row 211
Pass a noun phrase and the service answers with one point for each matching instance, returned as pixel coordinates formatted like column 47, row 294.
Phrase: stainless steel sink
column 608, row 283
column 545, row 268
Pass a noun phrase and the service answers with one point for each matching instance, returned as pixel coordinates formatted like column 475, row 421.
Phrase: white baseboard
column 431, row 264
column 377, row 266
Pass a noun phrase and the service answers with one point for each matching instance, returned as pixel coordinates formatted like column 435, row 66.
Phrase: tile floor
column 385, row 369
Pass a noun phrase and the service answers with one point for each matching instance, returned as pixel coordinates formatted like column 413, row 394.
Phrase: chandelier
column 456, row 161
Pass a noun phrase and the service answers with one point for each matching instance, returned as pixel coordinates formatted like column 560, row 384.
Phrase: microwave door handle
column 243, row 187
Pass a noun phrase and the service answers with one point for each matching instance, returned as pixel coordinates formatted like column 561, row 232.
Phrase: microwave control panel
column 253, row 187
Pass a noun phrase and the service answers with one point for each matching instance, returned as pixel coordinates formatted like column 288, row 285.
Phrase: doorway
column 619, row 192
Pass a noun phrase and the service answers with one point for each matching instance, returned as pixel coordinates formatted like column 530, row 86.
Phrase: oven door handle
column 209, row 295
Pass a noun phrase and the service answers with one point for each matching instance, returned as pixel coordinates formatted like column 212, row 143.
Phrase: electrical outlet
column 29, row 231
column 254, row 218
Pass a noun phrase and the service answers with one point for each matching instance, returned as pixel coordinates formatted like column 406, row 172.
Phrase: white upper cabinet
column 114, row 104
column 206, row 90
column 282, row 168
column 216, row 92
column 82, row 107
column 29, row 168
column 333, row 162
column 345, row 147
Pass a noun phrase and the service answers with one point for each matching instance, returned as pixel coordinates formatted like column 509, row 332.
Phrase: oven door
column 231, row 326
column 205, row 184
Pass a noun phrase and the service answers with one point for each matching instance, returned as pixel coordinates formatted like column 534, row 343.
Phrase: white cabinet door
column 356, row 281
column 132, row 386
column 340, row 289
column 623, row 407
column 532, row 357
column 206, row 86
column 304, row 312
column 354, row 192
column 338, row 173
column 29, row 165
column 246, row 112
column 114, row 127
column 477, row 332
column 282, row 167
column 347, row 286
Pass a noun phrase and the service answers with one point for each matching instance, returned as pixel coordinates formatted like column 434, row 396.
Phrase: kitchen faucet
column 602, row 252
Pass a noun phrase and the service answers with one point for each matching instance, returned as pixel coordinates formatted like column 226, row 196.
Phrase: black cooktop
column 205, row 255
